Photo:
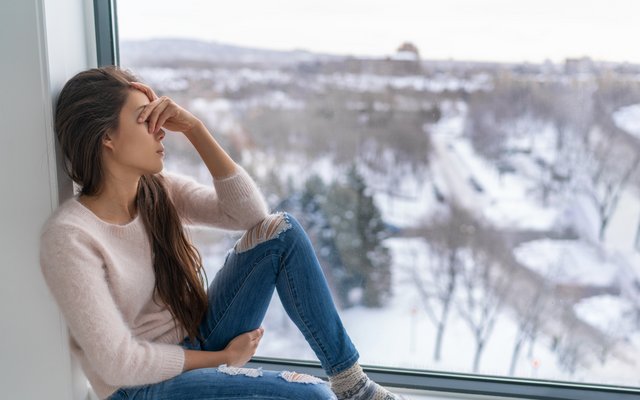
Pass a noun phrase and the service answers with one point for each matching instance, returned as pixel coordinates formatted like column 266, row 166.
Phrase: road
column 455, row 176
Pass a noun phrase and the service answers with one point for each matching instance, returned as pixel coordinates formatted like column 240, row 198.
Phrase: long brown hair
column 87, row 109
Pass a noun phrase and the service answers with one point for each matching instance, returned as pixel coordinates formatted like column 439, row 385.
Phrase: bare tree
column 486, row 278
column 436, row 282
column 610, row 165
column 571, row 349
column 530, row 319
column 570, row 111
column 608, row 343
column 345, row 125
column 570, row 354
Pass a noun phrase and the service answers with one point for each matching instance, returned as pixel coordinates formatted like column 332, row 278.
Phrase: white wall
column 42, row 44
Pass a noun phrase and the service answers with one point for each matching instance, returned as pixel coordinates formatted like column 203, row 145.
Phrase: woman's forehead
column 136, row 100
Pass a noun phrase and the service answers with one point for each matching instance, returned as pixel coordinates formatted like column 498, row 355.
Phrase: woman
column 130, row 284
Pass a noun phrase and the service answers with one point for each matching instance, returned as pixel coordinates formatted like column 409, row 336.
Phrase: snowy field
column 567, row 261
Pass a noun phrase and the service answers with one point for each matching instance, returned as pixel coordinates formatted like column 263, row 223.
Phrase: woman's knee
column 309, row 387
column 269, row 228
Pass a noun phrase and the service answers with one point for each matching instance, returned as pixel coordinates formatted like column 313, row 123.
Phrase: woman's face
column 133, row 150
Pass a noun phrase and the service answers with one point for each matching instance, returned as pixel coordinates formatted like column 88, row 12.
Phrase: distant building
column 627, row 69
column 576, row 66
column 406, row 61
column 408, row 51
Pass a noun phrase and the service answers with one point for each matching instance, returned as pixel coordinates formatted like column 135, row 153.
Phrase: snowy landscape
column 479, row 218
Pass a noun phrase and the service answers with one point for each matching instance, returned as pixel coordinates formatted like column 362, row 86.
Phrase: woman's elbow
column 252, row 216
column 122, row 370
column 115, row 377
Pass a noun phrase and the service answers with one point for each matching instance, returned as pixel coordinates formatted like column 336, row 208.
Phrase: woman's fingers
column 154, row 101
column 159, row 114
column 163, row 112
column 145, row 89
column 148, row 109
column 256, row 336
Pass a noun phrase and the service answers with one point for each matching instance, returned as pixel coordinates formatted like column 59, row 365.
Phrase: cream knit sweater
column 101, row 276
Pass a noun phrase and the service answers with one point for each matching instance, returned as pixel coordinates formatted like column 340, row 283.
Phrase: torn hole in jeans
column 268, row 229
column 250, row 372
column 299, row 378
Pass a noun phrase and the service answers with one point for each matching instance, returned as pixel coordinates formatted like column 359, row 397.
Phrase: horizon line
column 451, row 59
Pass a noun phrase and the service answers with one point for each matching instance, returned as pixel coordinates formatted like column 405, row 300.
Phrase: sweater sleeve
column 234, row 203
column 73, row 270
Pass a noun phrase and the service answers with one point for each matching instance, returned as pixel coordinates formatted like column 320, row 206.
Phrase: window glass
column 468, row 171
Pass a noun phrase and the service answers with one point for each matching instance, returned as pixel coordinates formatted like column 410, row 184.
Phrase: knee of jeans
column 268, row 228
column 317, row 389
column 299, row 378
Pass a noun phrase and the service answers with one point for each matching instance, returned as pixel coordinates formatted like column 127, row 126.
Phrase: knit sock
column 354, row 384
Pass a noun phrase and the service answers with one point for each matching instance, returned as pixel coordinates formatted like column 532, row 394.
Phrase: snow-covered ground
column 567, row 261
column 611, row 314
column 628, row 119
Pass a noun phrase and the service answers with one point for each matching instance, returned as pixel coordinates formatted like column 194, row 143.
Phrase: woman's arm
column 218, row 162
column 235, row 203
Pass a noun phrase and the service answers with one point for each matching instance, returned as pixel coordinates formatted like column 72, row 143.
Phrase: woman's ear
column 108, row 140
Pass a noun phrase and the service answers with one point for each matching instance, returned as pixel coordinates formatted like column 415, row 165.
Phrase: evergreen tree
column 360, row 231
column 347, row 231
column 308, row 206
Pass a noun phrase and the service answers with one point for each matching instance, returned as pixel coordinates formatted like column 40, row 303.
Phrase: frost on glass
column 469, row 217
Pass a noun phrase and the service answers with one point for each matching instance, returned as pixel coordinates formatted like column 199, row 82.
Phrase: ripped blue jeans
column 238, row 299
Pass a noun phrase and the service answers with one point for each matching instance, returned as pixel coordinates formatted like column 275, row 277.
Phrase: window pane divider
column 107, row 42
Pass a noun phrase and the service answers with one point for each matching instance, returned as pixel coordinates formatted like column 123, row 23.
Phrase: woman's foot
column 354, row 384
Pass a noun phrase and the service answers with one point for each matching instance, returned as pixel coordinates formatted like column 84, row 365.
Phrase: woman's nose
column 160, row 134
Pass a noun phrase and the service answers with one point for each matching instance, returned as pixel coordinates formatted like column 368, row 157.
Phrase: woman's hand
column 237, row 353
column 241, row 348
column 164, row 112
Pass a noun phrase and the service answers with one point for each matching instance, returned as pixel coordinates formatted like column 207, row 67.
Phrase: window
column 479, row 216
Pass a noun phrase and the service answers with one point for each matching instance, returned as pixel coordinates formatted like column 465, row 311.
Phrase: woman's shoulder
column 69, row 217
column 63, row 235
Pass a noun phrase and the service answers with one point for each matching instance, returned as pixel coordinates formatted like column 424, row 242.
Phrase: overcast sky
column 482, row 30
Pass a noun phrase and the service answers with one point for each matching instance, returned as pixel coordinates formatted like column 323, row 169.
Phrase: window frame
column 106, row 24
column 472, row 384
column 107, row 44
